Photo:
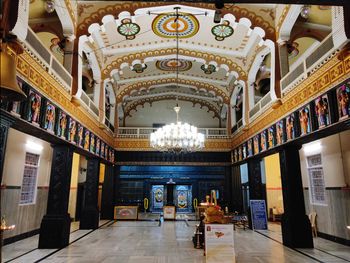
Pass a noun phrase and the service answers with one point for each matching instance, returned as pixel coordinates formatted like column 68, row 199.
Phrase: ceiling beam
column 297, row 2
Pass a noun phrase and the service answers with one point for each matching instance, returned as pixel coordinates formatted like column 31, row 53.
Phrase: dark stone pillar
column 296, row 228
column 55, row 226
column 257, row 190
column 107, row 202
column 6, row 121
column 89, row 218
column 170, row 194
column 236, row 190
column 227, row 197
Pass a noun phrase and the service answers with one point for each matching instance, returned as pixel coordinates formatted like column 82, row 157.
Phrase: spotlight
column 305, row 11
column 50, row 6
column 217, row 16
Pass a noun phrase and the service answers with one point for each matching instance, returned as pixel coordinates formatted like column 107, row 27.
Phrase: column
column 89, row 218
column 227, row 197
column 55, row 226
column 257, row 190
column 107, row 202
column 296, row 228
column 236, row 189
column 283, row 58
column 68, row 53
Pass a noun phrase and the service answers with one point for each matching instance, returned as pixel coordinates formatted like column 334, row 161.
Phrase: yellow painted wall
column 74, row 185
column 273, row 182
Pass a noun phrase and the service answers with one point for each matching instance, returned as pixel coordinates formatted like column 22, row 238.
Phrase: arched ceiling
column 136, row 48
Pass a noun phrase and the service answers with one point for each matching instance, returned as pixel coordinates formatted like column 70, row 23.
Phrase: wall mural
column 164, row 25
column 42, row 112
column 326, row 109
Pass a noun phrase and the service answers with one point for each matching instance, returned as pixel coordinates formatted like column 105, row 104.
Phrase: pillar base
column 54, row 231
column 296, row 231
column 89, row 218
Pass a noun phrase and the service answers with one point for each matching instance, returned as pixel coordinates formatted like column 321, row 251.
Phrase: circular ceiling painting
column 166, row 25
column 128, row 29
column 173, row 64
column 222, row 31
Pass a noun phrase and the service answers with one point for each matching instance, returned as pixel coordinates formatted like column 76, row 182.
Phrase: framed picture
column 62, row 124
column 256, row 144
column 280, row 136
column 113, row 156
column 98, row 145
column 106, row 152
column 87, row 139
column 263, row 141
column 72, row 130
column 80, row 135
column 50, row 117
column 110, row 155
column 290, row 127
column 322, row 111
column 250, row 147
column 102, row 149
column 244, row 151
column 305, row 120
column 240, row 156
column 235, row 154
column 34, row 107
column 15, row 106
column 343, row 95
column 271, row 137
column 92, row 142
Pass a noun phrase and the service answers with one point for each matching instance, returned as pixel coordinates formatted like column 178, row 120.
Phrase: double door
column 182, row 197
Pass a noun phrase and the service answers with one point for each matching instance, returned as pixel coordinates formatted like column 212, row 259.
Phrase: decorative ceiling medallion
column 164, row 25
column 173, row 65
column 139, row 68
column 128, row 29
column 222, row 31
column 208, row 69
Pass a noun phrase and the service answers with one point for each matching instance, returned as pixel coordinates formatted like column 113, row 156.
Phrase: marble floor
column 156, row 241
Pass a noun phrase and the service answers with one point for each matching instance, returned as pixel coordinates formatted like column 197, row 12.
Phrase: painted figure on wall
column 102, row 149
column 50, row 116
column 263, row 141
column 322, row 111
column 290, row 127
column 72, row 130
column 106, row 152
column 244, row 151
column 113, row 157
column 98, row 143
column 271, row 140
column 256, row 144
column 80, row 136
column 250, row 147
column 92, row 143
column 35, row 103
column 86, row 139
column 343, row 95
column 62, row 125
column 235, row 155
column 279, row 132
column 305, row 120
column 15, row 106
column 240, row 153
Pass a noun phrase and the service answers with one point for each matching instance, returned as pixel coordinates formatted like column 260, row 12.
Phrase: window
column 317, row 185
column 28, row 190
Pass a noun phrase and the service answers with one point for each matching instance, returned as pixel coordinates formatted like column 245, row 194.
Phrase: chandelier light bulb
column 305, row 11
column 50, row 6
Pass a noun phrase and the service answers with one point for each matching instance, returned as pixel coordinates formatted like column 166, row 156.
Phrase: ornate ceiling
column 135, row 46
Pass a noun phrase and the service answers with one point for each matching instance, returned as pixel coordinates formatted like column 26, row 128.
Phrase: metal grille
column 291, row 76
column 319, row 52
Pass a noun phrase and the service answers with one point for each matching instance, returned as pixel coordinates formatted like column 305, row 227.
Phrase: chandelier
column 179, row 137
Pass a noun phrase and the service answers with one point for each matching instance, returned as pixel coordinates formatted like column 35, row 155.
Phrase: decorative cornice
column 281, row 20
column 329, row 75
column 132, row 144
column 115, row 64
column 32, row 72
column 146, row 84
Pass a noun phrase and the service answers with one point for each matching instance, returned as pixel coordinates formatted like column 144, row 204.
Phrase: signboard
column 258, row 213
column 169, row 212
column 219, row 243
column 126, row 212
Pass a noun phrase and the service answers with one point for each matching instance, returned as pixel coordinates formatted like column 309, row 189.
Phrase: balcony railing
column 144, row 132
column 48, row 61
column 89, row 103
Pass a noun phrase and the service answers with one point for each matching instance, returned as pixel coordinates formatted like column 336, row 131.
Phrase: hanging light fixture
column 305, row 11
column 179, row 137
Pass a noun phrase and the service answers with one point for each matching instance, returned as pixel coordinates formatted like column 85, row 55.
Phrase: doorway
column 183, row 198
column 157, row 198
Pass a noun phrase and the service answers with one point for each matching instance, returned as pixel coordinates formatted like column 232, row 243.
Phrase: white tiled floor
column 169, row 242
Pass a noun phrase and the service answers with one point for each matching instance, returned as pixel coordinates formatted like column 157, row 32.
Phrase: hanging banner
column 258, row 214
